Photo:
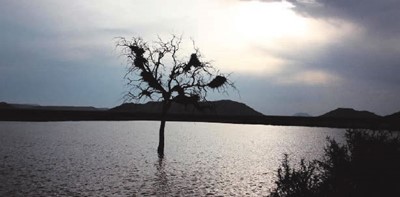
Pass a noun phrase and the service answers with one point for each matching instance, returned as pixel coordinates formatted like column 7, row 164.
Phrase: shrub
column 302, row 182
column 367, row 165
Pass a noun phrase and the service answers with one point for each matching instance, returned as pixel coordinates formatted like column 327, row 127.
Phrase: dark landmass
column 395, row 116
column 4, row 105
column 64, row 108
column 301, row 114
column 213, row 108
column 222, row 111
column 349, row 113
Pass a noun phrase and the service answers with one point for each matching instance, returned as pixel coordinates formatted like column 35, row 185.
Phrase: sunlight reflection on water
column 119, row 158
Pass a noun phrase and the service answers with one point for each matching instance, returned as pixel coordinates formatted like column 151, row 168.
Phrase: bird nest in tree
column 148, row 77
column 217, row 82
column 137, row 50
column 194, row 61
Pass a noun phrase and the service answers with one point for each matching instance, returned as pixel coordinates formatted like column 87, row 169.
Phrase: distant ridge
column 222, row 107
column 349, row 113
column 225, row 111
column 301, row 114
column 394, row 116
column 4, row 105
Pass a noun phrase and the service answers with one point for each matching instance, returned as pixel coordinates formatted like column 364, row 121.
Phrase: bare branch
column 184, row 81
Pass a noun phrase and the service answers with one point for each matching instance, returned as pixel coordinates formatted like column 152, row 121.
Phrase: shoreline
column 38, row 115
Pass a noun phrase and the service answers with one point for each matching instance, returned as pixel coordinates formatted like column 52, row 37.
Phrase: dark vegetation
column 367, row 165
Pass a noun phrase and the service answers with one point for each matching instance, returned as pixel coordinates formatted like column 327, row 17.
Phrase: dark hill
column 301, row 114
column 58, row 108
column 69, row 108
column 393, row 116
column 349, row 113
column 223, row 108
column 4, row 105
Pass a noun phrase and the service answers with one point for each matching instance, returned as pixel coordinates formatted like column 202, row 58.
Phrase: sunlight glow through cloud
column 264, row 22
column 241, row 28
column 312, row 78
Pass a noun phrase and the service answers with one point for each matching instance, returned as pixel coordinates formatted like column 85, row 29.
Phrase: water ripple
column 119, row 158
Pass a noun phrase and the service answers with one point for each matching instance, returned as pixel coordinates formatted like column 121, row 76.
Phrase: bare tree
column 156, row 72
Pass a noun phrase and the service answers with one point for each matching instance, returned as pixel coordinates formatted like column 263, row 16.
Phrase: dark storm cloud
column 379, row 17
column 367, row 60
column 371, row 56
column 281, row 99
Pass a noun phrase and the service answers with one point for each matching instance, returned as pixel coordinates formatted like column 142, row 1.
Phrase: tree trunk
column 160, row 148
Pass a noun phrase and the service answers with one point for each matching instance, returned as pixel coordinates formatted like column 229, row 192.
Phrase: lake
column 120, row 159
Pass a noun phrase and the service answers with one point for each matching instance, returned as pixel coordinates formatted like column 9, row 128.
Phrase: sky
column 285, row 57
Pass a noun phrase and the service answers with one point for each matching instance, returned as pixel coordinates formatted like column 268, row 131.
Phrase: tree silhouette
column 156, row 72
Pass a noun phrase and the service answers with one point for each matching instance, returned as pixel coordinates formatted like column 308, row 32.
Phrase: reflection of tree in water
column 161, row 185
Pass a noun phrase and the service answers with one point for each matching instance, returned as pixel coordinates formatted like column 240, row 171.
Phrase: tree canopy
column 157, row 72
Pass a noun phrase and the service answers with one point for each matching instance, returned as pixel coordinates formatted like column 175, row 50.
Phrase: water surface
column 119, row 158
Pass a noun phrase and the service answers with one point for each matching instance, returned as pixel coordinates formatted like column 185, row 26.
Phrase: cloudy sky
column 285, row 56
